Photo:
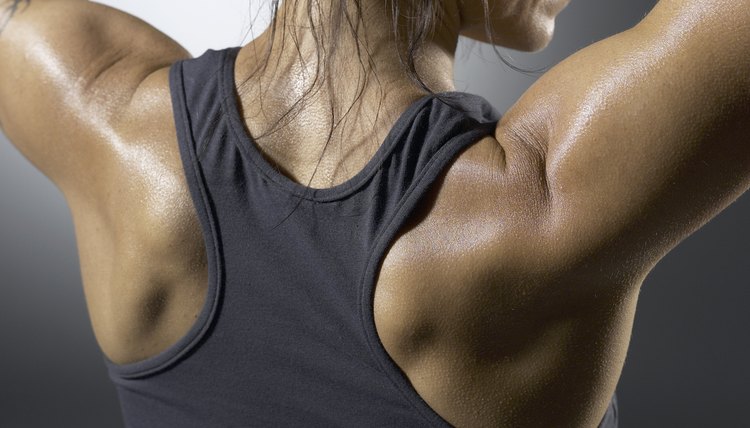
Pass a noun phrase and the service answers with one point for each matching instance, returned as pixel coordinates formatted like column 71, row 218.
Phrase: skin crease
column 508, row 298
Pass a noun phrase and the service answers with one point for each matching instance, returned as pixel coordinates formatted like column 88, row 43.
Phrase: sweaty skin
column 10, row 10
column 508, row 298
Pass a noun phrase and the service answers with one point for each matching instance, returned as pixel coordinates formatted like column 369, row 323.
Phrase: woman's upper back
column 461, row 297
column 607, row 163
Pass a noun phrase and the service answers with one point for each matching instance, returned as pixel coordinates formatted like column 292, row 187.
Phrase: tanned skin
column 11, row 10
column 523, row 262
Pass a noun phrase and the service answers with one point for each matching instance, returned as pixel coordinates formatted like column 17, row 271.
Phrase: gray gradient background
column 687, row 363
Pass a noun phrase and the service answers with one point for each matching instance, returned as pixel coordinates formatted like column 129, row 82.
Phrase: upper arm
column 68, row 71
column 639, row 139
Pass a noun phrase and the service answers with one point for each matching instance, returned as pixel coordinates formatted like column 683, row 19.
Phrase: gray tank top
column 287, row 335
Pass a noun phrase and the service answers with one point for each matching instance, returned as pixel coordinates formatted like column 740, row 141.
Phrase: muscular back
column 514, row 283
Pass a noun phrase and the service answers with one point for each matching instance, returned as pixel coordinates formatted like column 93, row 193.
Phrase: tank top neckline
column 250, row 149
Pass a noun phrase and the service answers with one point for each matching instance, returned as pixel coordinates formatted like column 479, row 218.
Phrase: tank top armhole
column 209, row 229
column 382, row 242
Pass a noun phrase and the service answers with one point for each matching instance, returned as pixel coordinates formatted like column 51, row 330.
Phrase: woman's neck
column 374, row 52
column 369, row 95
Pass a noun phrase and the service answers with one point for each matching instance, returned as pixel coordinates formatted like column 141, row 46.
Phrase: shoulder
column 85, row 97
column 485, row 211
column 70, row 73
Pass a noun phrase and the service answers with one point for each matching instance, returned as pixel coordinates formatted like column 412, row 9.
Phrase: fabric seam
column 366, row 296
column 370, row 169
column 173, row 354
